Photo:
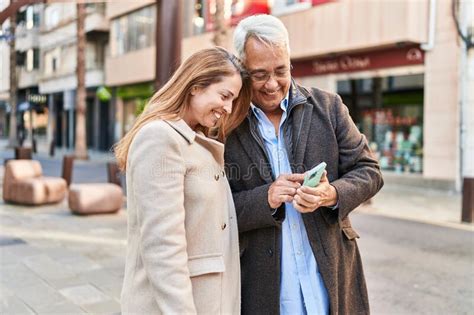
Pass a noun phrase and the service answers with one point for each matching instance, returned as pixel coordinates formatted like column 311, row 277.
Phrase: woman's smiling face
column 207, row 105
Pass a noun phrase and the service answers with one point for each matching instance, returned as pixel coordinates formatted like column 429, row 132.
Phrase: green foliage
column 140, row 105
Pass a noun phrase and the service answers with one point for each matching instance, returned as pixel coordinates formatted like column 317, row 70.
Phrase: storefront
column 384, row 92
column 130, row 100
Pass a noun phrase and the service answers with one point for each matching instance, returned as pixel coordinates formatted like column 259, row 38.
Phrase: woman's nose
column 228, row 107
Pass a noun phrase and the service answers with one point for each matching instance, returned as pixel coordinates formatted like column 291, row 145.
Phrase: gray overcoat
column 318, row 129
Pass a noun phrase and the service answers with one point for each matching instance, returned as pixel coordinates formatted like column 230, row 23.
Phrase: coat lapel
column 301, row 114
column 252, row 144
column 215, row 147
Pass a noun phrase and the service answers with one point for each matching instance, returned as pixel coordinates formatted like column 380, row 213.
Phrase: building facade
column 4, row 74
column 32, row 111
column 403, row 82
column 130, row 66
column 400, row 80
column 58, row 46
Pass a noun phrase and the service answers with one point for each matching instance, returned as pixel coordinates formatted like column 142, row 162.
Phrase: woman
column 182, row 255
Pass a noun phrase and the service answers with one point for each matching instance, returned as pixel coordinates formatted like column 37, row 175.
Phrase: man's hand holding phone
column 284, row 189
column 315, row 193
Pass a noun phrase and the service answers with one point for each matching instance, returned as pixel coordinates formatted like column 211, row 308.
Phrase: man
column 297, row 246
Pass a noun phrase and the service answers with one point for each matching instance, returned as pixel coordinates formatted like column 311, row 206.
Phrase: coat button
column 216, row 177
column 223, row 226
column 270, row 252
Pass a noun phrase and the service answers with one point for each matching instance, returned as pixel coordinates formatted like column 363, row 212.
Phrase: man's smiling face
column 269, row 68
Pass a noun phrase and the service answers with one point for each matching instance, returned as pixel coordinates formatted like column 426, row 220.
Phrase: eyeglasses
column 260, row 76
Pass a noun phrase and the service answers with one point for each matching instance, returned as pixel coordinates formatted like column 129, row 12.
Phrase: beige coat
column 182, row 255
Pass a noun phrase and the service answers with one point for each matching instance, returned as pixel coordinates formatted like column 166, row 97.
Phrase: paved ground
column 53, row 262
column 416, row 268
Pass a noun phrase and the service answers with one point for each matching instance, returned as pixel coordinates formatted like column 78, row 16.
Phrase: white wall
column 4, row 60
column 467, row 94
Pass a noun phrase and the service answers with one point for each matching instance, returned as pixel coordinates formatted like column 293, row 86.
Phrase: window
column 51, row 16
column 54, row 64
column 94, row 55
column 51, row 61
column 134, row 31
column 389, row 111
column 56, row 13
column 29, row 60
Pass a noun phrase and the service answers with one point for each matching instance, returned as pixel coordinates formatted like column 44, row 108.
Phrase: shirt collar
column 283, row 105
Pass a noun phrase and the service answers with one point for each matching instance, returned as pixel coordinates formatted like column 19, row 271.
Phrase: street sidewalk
column 418, row 204
column 53, row 262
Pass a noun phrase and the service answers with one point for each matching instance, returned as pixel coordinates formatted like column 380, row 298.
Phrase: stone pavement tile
column 116, row 265
column 5, row 291
column 61, row 283
column 118, row 271
column 13, row 305
column 16, row 277
column 101, row 277
column 102, row 252
column 62, row 308
column 77, row 263
column 45, row 244
column 40, row 296
column 7, row 219
column 112, row 290
column 22, row 250
column 47, row 268
column 59, row 252
column 7, row 258
column 84, row 294
column 104, row 307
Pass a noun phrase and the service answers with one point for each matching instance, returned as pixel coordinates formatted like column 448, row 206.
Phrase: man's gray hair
column 266, row 28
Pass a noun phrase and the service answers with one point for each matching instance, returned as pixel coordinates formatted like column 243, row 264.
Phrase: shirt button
column 223, row 174
column 298, row 253
column 293, row 226
column 216, row 177
column 270, row 252
column 223, row 226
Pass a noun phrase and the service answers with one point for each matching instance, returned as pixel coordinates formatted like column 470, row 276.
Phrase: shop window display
column 390, row 114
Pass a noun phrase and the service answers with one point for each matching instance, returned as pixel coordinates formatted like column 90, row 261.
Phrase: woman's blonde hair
column 200, row 70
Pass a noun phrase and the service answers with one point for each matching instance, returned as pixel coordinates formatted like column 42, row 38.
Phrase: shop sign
column 387, row 58
column 36, row 98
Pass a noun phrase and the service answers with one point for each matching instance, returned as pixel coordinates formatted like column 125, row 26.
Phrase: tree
column 168, row 39
column 220, row 33
column 13, row 141
column 80, row 149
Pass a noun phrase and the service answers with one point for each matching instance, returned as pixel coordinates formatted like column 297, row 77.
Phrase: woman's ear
column 194, row 90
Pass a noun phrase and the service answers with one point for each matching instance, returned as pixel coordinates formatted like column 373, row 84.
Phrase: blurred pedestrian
column 182, row 254
column 299, row 254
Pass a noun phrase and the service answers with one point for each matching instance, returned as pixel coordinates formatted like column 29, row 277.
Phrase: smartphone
column 313, row 176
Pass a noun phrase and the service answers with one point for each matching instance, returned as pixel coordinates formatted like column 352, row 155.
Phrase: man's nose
column 271, row 83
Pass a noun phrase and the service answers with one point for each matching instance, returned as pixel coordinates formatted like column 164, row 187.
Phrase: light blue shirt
column 302, row 290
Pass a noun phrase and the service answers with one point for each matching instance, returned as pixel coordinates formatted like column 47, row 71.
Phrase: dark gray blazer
column 318, row 129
